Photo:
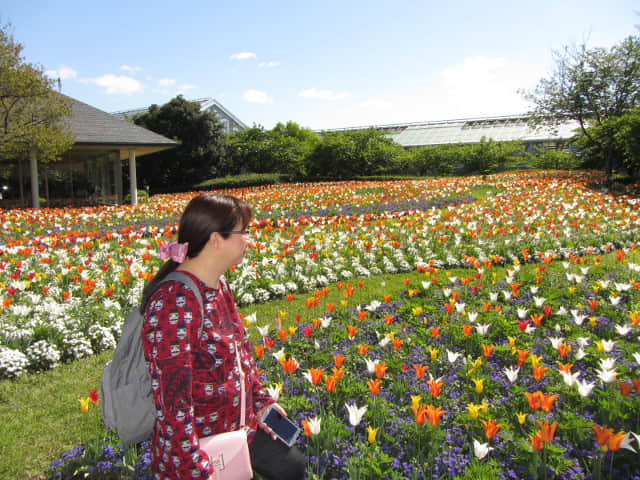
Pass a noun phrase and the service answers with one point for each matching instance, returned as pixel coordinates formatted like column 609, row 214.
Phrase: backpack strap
column 191, row 285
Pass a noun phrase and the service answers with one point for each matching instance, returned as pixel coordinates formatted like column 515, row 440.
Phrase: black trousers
column 274, row 460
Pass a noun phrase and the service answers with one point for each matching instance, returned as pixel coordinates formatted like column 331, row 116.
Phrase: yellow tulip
column 371, row 434
column 474, row 410
column 415, row 401
column 522, row 417
column 434, row 354
column 283, row 314
column 84, row 404
column 479, row 384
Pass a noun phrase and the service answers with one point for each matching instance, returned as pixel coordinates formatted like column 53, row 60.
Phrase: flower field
column 524, row 366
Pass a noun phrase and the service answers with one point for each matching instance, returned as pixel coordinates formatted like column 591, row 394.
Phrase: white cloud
column 185, row 87
column 269, row 64
column 474, row 87
column 129, row 69
column 62, row 73
column 378, row 103
column 256, row 96
column 323, row 94
column 166, row 82
column 118, row 84
column 242, row 56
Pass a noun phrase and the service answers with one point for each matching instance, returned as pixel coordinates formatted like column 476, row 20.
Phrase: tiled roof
column 95, row 127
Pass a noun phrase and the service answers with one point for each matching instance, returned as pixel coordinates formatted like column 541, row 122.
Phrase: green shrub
column 238, row 181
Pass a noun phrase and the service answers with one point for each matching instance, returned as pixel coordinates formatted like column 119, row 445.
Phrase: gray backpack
column 125, row 387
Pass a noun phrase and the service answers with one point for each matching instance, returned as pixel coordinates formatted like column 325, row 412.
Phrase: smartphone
column 285, row 429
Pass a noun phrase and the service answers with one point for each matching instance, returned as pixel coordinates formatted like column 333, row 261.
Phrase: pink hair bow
column 174, row 250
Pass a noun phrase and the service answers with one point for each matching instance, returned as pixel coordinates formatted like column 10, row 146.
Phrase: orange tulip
column 491, row 428
column 362, row 314
column 625, row 388
column 434, row 387
column 435, row 331
column 565, row 367
column 547, row 431
column 593, row 304
column 374, row 386
column 536, row 441
column 259, row 350
column 614, row 441
column 467, row 329
column 352, row 331
column 534, row 399
column 602, row 435
column 420, row 414
column 338, row 359
column 547, row 401
column 388, row 319
column 381, row 369
column 363, row 349
column 397, row 343
column 289, row 364
column 330, row 383
column 316, row 375
column 434, row 414
column 337, row 373
column 536, row 318
column 538, row 372
column 487, row 349
column 420, row 370
column 331, row 307
column 522, row 356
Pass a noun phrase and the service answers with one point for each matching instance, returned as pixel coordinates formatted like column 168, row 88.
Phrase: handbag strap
column 243, row 393
column 188, row 282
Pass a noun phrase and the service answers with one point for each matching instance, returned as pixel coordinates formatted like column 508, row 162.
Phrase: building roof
column 206, row 104
column 472, row 130
column 92, row 126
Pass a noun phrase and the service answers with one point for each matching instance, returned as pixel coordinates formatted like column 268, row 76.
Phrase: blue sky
column 322, row 64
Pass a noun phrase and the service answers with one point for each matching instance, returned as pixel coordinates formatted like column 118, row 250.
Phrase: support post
column 117, row 177
column 33, row 170
column 133, row 181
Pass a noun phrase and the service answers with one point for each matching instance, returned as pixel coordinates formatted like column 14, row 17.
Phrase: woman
column 195, row 385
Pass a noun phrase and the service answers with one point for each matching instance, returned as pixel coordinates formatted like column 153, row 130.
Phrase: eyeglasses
column 239, row 232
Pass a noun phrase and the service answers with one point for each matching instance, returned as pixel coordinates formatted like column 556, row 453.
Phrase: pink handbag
column 229, row 452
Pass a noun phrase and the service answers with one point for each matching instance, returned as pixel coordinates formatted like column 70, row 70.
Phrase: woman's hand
column 264, row 426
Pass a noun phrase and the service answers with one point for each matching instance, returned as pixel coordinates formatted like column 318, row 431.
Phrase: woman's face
column 235, row 245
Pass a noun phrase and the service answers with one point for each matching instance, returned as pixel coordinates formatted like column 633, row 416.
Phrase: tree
column 202, row 148
column 591, row 86
column 284, row 149
column 32, row 113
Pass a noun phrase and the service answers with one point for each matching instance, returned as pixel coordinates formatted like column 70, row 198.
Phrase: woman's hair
column 203, row 215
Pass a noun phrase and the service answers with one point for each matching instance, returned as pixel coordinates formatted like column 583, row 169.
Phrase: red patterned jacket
column 196, row 385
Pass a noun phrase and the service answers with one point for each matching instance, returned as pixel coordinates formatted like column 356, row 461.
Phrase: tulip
column 314, row 375
column 434, row 414
column 547, row 431
column 355, row 413
column 522, row 418
column 602, row 436
column 374, row 386
column 415, row 400
column 84, row 404
column 311, row 426
column 420, row 414
column 274, row 391
column 474, row 410
column 481, row 450
column 491, row 428
column 536, row 441
column 371, row 434
column 338, row 359
column 380, row 369
column 330, row 383
column 435, row 385
column 479, row 382
column 420, row 370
